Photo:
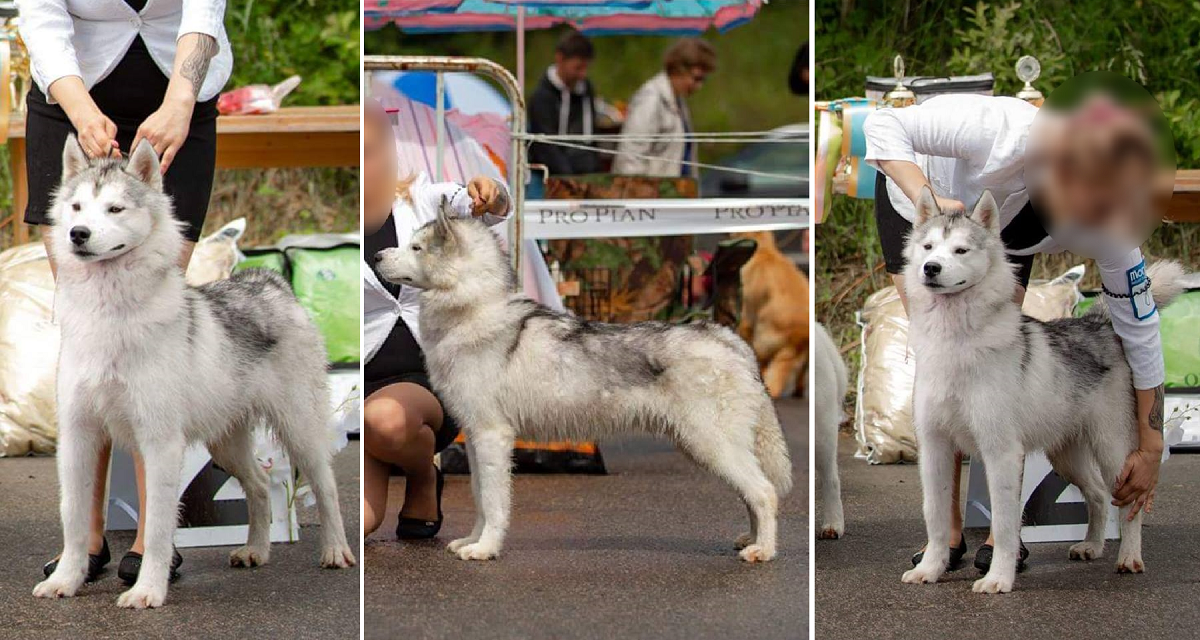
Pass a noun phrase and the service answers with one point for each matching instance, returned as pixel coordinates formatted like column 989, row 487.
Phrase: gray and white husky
column 155, row 364
column 993, row 381
column 506, row 367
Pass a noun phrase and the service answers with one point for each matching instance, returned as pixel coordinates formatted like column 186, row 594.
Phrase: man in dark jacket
column 562, row 104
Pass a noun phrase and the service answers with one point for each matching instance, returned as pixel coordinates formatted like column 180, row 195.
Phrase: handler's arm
column 167, row 128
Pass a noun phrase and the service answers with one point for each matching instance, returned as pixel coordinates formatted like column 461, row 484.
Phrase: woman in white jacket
column 961, row 145
column 404, row 423
column 113, row 72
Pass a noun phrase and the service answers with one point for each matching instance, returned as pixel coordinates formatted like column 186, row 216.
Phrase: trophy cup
column 1028, row 70
column 899, row 96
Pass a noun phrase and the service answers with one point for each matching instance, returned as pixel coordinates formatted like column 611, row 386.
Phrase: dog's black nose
column 80, row 235
column 378, row 257
column 932, row 269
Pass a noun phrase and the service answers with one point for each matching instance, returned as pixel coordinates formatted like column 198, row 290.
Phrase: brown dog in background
column 775, row 315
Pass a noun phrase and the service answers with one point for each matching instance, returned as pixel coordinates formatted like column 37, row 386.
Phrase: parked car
column 769, row 156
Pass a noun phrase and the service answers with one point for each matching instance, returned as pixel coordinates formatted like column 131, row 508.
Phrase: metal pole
column 521, row 47
column 441, row 126
column 517, row 165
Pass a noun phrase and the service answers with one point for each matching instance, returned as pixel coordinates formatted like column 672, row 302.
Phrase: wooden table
column 1185, row 204
column 290, row 137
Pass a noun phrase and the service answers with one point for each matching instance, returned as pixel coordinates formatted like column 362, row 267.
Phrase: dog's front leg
column 936, row 461
column 79, row 443
column 1004, row 464
column 163, row 456
column 473, row 464
column 493, row 465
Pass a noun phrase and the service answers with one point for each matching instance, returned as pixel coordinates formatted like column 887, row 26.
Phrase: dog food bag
column 326, row 281
column 28, row 352
column 883, row 420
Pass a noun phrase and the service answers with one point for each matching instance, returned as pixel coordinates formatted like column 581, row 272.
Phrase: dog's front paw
column 743, row 541
column 337, row 556
column 922, row 574
column 53, row 587
column 249, row 556
column 455, row 545
column 477, row 551
column 831, row 531
column 757, row 553
column 1086, row 551
column 142, row 597
column 993, row 584
column 1131, row 564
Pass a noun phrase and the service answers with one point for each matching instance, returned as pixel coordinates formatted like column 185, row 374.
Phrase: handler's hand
column 1138, row 479
column 97, row 135
column 946, row 205
column 487, row 197
column 167, row 130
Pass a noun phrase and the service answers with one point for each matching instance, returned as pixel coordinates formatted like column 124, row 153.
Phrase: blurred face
column 571, row 70
column 379, row 172
column 1095, row 169
column 688, row 81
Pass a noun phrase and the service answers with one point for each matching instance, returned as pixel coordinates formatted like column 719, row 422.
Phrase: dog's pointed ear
column 927, row 206
column 143, row 164
column 74, row 160
column 443, row 226
column 986, row 212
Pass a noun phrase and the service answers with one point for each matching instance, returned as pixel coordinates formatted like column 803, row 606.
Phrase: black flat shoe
column 96, row 562
column 418, row 529
column 956, row 555
column 131, row 566
column 983, row 558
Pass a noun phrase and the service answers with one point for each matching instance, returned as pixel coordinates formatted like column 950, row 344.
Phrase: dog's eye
column 928, row 246
column 416, row 248
column 75, row 206
column 116, row 209
column 960, row 251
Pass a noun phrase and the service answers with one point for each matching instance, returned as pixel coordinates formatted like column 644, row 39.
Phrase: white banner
column 556, row 219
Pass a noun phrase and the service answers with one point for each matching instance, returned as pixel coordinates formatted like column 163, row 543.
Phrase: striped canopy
column 592, row 17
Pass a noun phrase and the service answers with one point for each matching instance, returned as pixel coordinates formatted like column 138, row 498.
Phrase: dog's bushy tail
column 771, row 449
column 1166, row 283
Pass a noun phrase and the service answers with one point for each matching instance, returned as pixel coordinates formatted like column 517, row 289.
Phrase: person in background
column 659, row 107
column 798, row 74
column 563, row 104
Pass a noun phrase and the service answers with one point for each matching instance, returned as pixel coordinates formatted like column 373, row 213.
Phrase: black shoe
column 131, row 566
column 417, row 529
column 96, row 562
column 983, row 558
column 956, row 555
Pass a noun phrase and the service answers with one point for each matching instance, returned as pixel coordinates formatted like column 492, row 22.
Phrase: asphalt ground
column 859, row 593
column 292, row 597
column 645, row 551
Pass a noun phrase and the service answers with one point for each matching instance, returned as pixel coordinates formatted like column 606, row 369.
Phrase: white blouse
column 87, row 38
column 381, row 309
column 969, row 143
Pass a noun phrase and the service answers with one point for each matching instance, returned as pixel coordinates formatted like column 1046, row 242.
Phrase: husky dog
column 155, row 364
column 507, row 367
column 829, row 392
column 993, row 381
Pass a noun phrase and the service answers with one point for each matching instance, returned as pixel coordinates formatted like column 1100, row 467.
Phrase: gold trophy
column 899, row 96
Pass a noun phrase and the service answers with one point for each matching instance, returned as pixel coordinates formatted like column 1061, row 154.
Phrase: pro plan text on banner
column 556, row 219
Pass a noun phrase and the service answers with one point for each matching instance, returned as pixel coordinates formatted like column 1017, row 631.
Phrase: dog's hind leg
column 828, row 482
column 1076, row 465
column 472, row 463
column 306, row 438
column 1004, row 467
column 493, row 464
column 235, row 454
column 162, row 448
column 78, row 456
column 740, row 467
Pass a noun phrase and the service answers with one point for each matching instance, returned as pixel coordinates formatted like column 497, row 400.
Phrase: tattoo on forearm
column 1156, row 410
column 195, row 67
